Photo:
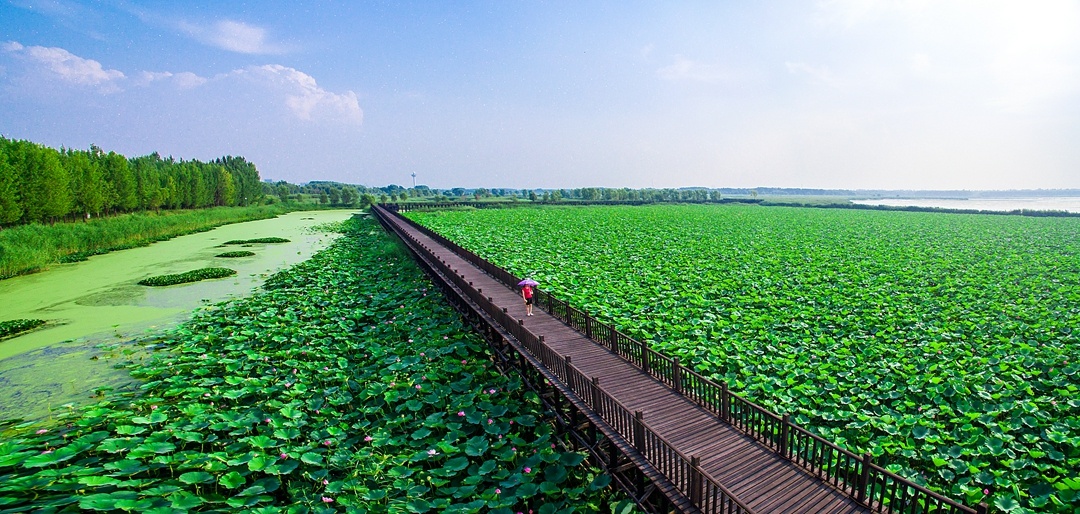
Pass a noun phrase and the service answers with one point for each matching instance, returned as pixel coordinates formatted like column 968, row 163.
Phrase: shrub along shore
column 35, row 247
column 347, row 383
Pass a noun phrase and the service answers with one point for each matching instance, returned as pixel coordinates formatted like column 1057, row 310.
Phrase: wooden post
column 541, row 339
column 566, row 368
column 696, row 481
column 676, row 375
column 588, row 328
column 644, row 356
column 785, row 433
column 864, row 478
column 639, row 432
column 725, row 409
column 597, row 399
column 613, row 339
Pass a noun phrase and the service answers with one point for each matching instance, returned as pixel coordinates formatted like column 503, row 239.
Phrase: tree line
column 42, row 184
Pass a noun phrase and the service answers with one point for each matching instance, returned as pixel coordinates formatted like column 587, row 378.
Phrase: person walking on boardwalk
column 527, row 286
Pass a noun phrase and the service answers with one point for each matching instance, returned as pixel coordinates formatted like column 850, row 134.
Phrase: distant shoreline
column 1002, row 204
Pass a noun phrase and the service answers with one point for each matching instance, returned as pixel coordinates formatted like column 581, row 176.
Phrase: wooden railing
column 684, row 472
column 858, row 476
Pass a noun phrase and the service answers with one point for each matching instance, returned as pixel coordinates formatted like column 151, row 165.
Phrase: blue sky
column 832, row 94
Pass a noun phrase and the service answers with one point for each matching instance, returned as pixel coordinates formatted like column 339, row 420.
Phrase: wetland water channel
column 98, row 303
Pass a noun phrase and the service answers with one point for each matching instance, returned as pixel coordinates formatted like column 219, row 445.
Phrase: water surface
column 99, row 301
column 984, row 204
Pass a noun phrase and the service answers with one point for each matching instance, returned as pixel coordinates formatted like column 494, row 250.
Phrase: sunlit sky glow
column 858, row 94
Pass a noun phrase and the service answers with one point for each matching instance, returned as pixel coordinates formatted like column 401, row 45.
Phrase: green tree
column 10, row 206
column 46, row 193
column 282, row 190
column 122, row 194
column 87, row 183
column 349, row 195
column 225, row 188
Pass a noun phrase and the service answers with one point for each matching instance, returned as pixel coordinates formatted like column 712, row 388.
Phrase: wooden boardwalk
column 755, row 474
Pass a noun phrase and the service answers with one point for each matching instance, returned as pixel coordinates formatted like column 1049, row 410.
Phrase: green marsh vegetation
column 188, row 276
column 18, row 326
column 346, row 383
column 945, row 345
column 233, row 255
column 35, row 246
column 259, row 240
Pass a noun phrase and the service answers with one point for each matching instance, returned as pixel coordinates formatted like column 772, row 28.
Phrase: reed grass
column 34, row 247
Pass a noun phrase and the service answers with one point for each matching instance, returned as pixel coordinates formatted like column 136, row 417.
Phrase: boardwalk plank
column 755, row 474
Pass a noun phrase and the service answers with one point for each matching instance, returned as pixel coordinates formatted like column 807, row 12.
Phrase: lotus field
column 946, row 345
column 347, row 384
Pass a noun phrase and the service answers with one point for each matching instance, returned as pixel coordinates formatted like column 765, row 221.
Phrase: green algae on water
column 97, row 301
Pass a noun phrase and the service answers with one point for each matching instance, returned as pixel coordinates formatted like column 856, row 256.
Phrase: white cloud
column 68, row 67
column 303, row 96
column 182, row 80
column 1011, row 56
column 234, row 36
column 294, row 92
column 820, row 74
column 920, row 63
column 687, row 69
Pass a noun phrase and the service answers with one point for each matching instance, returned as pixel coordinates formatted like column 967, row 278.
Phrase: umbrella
column 528, row 282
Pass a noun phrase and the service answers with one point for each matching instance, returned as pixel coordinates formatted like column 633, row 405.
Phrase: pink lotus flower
column 153, row 407
column 42, row 431
column 268, row 420
column 325, row 482
column 498, row 491
column 367, row 438
column 327, row 499
column 284, row 455
column 461, row 413
column 527, row 469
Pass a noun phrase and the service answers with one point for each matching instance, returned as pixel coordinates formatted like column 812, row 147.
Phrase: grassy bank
column 348, row 384
column 34, row 247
